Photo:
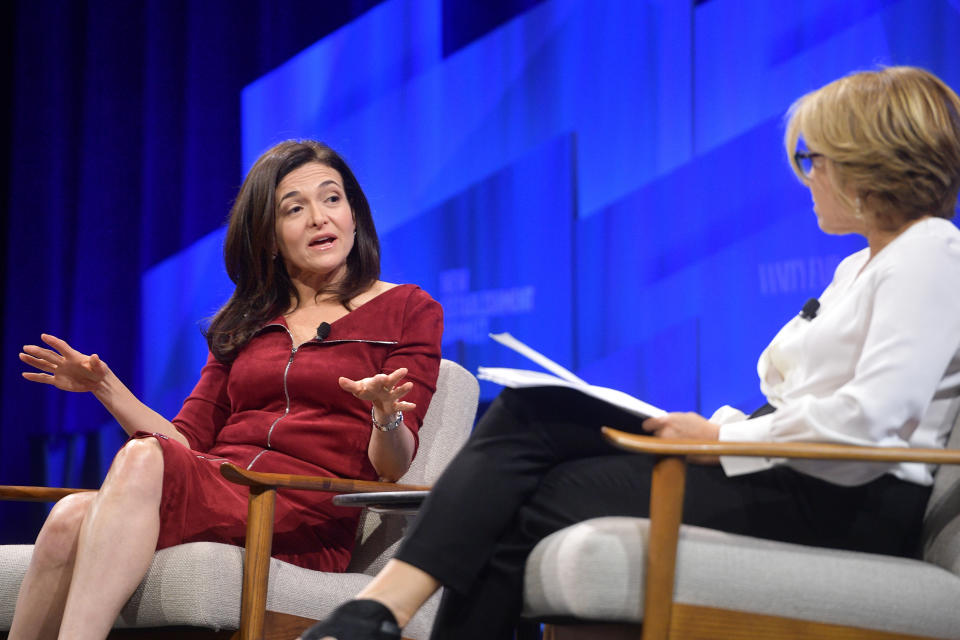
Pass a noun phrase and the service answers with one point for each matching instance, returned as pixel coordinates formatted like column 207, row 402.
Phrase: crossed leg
column 93, row 551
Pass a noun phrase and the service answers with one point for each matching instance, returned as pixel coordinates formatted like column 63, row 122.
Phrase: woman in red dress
column 304, row 377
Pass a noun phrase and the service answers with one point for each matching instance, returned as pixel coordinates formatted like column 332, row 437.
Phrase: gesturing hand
column 65, row 368
column 382, row 391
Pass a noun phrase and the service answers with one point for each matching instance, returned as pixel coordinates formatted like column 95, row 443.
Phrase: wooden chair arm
column 238, row 475
column 263, row 492
column 36, row 494
column 814, row 450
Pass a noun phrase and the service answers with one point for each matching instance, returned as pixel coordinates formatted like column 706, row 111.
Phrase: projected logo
column 467, row 314
column 799, row 275
column 499, row 257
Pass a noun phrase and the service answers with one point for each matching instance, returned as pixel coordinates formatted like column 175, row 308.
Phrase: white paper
column 520, row 378
column 508, row 340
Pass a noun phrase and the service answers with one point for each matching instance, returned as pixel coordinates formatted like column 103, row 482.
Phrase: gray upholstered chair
column 620, row 577
column 197, row 586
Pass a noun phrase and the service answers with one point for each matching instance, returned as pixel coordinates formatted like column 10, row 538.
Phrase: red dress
column 280, row 409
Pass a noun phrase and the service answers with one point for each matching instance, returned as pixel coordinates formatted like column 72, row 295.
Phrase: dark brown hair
column 263, row 286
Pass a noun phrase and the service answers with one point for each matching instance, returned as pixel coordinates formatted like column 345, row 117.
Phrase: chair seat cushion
column 198, row 585
column 594, row 571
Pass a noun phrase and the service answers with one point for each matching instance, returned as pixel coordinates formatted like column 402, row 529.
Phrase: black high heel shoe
column 356, row 620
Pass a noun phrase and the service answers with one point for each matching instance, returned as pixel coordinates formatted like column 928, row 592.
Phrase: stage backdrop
column 606, row 181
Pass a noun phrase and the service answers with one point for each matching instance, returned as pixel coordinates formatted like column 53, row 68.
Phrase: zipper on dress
column 342, row 340
column 286, row 391
column 286, row 395
column 209, row 459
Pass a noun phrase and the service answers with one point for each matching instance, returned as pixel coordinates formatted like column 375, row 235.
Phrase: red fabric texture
column 279, row 409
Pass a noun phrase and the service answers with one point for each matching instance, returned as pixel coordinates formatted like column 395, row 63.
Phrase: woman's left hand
column 682, row 425
column 381, row 390
column 685, row 426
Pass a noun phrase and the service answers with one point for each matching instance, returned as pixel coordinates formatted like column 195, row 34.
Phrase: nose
column 317, row 216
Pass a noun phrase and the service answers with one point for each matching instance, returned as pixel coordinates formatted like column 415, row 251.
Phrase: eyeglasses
column 804, row 161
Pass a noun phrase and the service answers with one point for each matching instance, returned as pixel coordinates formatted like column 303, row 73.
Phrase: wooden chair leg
column 666, row 510
column 256, row 562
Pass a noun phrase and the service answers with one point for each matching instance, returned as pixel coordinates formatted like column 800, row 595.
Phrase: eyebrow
column 291, row 194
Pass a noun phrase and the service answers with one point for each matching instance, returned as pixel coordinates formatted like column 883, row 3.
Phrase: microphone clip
column 810, row 308
column 323, row 331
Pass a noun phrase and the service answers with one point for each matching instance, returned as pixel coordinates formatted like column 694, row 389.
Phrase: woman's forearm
column 391, row 452
column 132, row 414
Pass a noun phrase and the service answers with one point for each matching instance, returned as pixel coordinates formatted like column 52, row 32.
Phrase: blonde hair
column 893, row 135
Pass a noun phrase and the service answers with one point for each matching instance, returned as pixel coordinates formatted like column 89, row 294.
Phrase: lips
column 322, row 241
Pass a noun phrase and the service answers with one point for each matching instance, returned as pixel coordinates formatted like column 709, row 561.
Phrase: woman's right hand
column 63, row 367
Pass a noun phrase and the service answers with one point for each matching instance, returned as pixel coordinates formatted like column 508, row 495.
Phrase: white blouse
column 878, row 365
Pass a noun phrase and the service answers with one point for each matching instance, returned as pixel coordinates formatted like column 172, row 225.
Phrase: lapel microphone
column 323, row 331
column 810, row 308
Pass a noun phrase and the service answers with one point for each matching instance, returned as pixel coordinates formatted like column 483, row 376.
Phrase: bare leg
column 402, row 588
column 117, row 541
column 43, row 592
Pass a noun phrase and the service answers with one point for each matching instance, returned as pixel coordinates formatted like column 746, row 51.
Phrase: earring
column 858, row 210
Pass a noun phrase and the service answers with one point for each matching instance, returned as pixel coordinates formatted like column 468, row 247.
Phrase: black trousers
column 537, row 462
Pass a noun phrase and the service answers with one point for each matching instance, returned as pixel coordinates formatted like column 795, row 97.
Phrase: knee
column 506, row 415
column 138, row 464
column 143, row 454
column 528, row 406
column 56, row 543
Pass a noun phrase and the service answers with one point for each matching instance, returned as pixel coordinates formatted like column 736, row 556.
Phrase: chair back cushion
column 447, row 424
column 445, row 428
column 941, row 525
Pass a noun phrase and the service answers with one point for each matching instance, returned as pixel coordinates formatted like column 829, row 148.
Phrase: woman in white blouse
column 879, row 364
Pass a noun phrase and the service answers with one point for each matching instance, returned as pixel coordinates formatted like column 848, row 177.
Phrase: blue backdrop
column 605, row 180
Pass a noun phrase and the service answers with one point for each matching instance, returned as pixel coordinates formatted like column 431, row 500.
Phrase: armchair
column 206, row 589
column 655, row 579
